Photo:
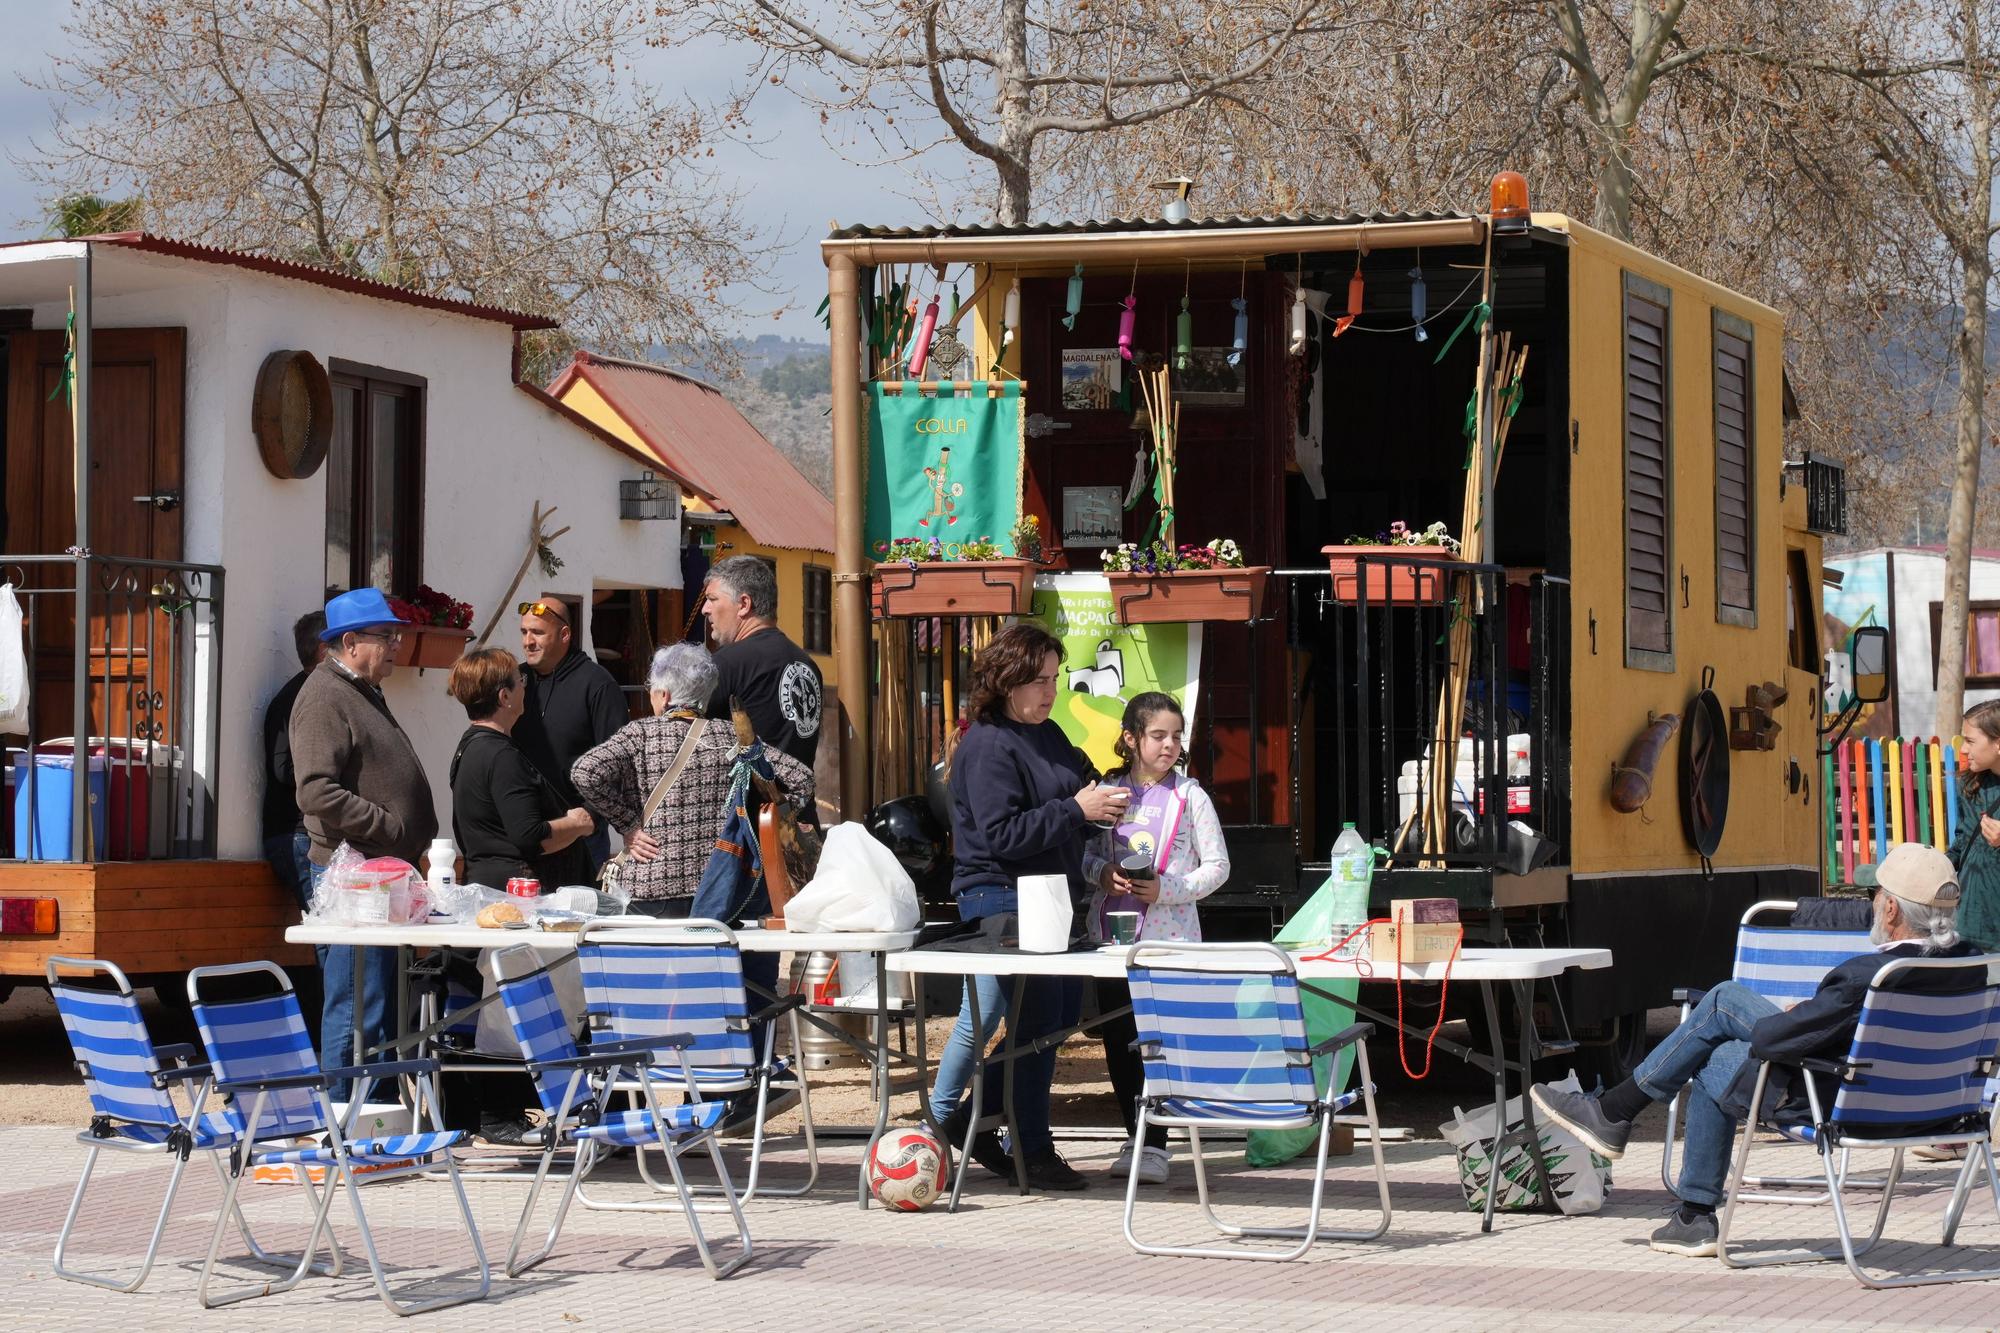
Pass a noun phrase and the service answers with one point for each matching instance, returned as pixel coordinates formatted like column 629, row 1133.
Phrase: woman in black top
column 508, row 821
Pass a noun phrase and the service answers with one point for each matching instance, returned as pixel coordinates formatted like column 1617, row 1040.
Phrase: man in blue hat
column 360, row 783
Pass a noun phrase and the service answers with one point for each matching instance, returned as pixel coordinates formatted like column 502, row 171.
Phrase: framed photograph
column 1209, row 380
column 1092, row 378
column 1093, row 516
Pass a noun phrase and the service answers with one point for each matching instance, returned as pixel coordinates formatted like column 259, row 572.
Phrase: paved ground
column 1004, row 1262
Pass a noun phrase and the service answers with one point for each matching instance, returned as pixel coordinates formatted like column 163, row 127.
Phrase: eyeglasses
column 556, row 609
column 386, row 635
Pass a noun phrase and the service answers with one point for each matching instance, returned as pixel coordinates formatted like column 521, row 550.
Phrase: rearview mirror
column 1869, row 651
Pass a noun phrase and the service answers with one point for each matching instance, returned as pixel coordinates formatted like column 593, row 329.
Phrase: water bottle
column 1353, row 867
column 443, row 874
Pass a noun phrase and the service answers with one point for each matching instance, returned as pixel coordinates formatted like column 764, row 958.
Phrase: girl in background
column 1171, row 822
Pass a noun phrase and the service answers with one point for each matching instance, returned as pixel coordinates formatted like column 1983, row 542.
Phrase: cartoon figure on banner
column 1103, row 680
column 944, row 491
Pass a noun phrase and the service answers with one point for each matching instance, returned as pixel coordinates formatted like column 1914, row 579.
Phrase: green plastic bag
column 1335, row 908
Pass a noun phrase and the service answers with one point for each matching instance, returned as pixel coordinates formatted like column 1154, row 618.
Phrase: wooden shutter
column 1648, row 478
column 1735, row 473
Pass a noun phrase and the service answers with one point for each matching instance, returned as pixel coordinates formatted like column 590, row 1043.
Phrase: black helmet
column 938, row 792
column 908, row 829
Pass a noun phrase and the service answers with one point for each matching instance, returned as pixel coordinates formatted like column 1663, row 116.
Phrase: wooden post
column 850, row 565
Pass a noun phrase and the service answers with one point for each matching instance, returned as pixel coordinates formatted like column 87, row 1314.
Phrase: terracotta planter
column 1383, row 584
column 955, row 588
column 431, row 646
column 1189, row 594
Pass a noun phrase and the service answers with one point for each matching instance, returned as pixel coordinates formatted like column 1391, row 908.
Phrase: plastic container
column 442, row 876
column 1046, row 913
column 42, row 831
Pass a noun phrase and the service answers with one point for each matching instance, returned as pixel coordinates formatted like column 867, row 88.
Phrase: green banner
column 1106, row 663
column 943, row 464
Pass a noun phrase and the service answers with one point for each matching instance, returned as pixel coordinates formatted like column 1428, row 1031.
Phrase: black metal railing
column 1826, row 496
column 137, row 713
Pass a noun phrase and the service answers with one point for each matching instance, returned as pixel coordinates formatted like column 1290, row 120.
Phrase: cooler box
column 42, row 829
column 128, row 818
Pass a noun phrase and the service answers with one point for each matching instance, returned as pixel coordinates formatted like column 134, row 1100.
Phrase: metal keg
column 818, row 1048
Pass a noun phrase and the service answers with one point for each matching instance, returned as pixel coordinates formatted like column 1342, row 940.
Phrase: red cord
column 1364, row 969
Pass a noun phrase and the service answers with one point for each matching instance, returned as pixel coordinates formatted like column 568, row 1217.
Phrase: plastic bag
column 860, row 885
column 13, row 666
column 1333, row 913
column 1324, row 1016
column 1580, row 1177
column 359, row 891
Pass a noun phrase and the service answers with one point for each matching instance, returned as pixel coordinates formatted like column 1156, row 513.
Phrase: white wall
column 1919, row 581
column 491, row 453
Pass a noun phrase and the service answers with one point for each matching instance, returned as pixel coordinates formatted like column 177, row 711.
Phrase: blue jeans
column 1047, row 1005
column 287, row 854
column 1704, row 1054
column 955, row 1061
column 336, row 1020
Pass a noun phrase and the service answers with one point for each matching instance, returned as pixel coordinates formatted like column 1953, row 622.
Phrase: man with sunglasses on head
column 359, row 782
column 573, row 705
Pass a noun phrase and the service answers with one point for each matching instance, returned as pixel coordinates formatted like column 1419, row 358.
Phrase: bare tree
column 491, row 151
column 998, row 80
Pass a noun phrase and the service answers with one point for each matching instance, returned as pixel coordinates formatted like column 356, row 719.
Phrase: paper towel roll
column 1045, row 912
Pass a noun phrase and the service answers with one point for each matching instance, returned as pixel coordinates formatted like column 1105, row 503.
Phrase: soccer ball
column 906, row 1170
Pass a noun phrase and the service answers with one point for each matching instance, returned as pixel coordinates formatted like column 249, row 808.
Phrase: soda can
column 524, row 888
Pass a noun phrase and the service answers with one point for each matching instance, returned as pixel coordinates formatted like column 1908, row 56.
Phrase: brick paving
column 1004, row 1262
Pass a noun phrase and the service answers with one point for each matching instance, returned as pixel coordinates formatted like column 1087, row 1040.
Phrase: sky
column 793, row 183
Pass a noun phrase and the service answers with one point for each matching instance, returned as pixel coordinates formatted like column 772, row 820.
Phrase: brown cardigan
column 359, row 778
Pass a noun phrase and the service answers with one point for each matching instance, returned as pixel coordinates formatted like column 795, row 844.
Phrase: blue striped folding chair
column 263, row 1058
column 687, row 977
column 129, row 1081
column 1784, row 964
column 1914, row 1075
column 571, row 1085
column 1223, row 1039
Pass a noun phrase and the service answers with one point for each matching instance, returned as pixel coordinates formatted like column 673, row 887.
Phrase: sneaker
column 1688, row 1233
column 1153, row 1165
column 1582, row 1116
column 1940, row 1152
column 989, row 1152
column 1048, row 1171
column 515, row 1131
column 1121, row 1166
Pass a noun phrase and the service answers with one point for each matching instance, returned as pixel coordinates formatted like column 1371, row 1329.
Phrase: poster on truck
column 1106, row 663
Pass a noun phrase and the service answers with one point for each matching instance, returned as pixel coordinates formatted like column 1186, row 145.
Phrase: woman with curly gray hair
column 668, row 852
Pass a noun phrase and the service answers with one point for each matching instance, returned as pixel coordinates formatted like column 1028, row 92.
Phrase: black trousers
column 1128, row 1071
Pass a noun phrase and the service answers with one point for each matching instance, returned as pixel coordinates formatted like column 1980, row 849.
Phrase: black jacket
column 1822, row 1028
column 500, row 812
column 281, row 799
column 571, row 711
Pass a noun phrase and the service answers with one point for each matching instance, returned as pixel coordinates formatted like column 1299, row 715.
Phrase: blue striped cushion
column 653, row 990
column 1781, row 963
column 109, row 1036
column 212, row 1131
column 264, row 1038
column 1922, row 1052
column 1222, row 1037
column 635, row 1128
column 543, row 1032
column 382, row 1151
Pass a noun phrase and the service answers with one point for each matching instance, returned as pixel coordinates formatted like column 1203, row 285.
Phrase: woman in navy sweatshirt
column 1022, row 802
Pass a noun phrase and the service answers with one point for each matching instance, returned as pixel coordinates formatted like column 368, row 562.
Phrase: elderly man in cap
column 1712, row 1052
column 359, row 782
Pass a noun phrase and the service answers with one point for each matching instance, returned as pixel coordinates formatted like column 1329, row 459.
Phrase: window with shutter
column 1735, row 473
column 1649, row 640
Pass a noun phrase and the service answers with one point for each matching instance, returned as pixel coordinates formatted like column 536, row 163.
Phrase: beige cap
column 1919, row 874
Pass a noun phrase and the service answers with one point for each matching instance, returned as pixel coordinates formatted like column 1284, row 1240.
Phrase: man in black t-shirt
column 777, row 683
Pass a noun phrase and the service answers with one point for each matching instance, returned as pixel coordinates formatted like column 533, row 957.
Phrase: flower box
column 431, row 646
column 1189, row 595
column 1003, row 587
column 1387, row 584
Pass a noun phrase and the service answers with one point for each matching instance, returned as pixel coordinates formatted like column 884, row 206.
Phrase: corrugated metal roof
column 324, row 277
column 702, row 438
column 1085, row 227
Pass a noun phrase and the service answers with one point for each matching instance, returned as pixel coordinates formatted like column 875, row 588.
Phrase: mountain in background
column 784, row 388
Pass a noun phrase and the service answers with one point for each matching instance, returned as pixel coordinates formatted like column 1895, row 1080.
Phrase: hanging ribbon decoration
column 1131, row 315
column 1356, row 286
column 1239, row 337
column 1478, row 316
column 1298, row 346
column 920, row 350
column 1419, row 299
column 1075, row 300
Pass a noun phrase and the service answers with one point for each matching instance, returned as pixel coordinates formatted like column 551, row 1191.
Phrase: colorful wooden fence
column 1882, row 792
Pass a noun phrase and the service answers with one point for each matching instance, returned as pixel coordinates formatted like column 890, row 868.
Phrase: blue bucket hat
column 357, row 610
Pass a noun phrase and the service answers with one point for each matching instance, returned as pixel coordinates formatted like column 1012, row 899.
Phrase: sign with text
column 944, row 464
column 1106, row 663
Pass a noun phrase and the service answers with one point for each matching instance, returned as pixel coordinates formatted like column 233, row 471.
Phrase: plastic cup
column 371, row 906
column 1124, row 927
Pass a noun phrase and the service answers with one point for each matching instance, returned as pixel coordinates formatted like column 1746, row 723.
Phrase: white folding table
column 639, row 930
column 1485, row 967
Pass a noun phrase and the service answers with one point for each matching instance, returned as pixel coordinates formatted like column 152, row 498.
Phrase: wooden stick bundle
column 1163, row 422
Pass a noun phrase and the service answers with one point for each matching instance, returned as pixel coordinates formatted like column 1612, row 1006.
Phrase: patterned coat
column 616, row 777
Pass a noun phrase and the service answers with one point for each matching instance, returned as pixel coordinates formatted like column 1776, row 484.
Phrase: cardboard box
column 1405, row 942
column 1424, row 911
column 375, row 1120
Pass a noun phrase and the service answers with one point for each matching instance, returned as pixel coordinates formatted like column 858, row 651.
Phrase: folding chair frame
column 1979, row 1152
column 1319, row 1113
column 184, row 1072
column 339, row 1171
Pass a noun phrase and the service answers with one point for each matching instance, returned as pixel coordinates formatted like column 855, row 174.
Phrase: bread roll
column 500, row 914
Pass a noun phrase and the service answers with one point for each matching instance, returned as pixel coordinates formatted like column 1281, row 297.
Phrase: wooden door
column 136, row 428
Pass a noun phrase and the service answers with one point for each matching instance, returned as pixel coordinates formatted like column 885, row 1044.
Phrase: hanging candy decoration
column 951, row 315
column 1239, row 340
column 1010, row 313
column 1183, row 336
column 920, row 349
column 1419, row 304
column 1125, row 322
column 1354, row 294
column 1298, row 347
column 1075, row 301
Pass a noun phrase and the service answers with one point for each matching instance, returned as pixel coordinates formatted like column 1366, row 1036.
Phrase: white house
column 438, row 456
